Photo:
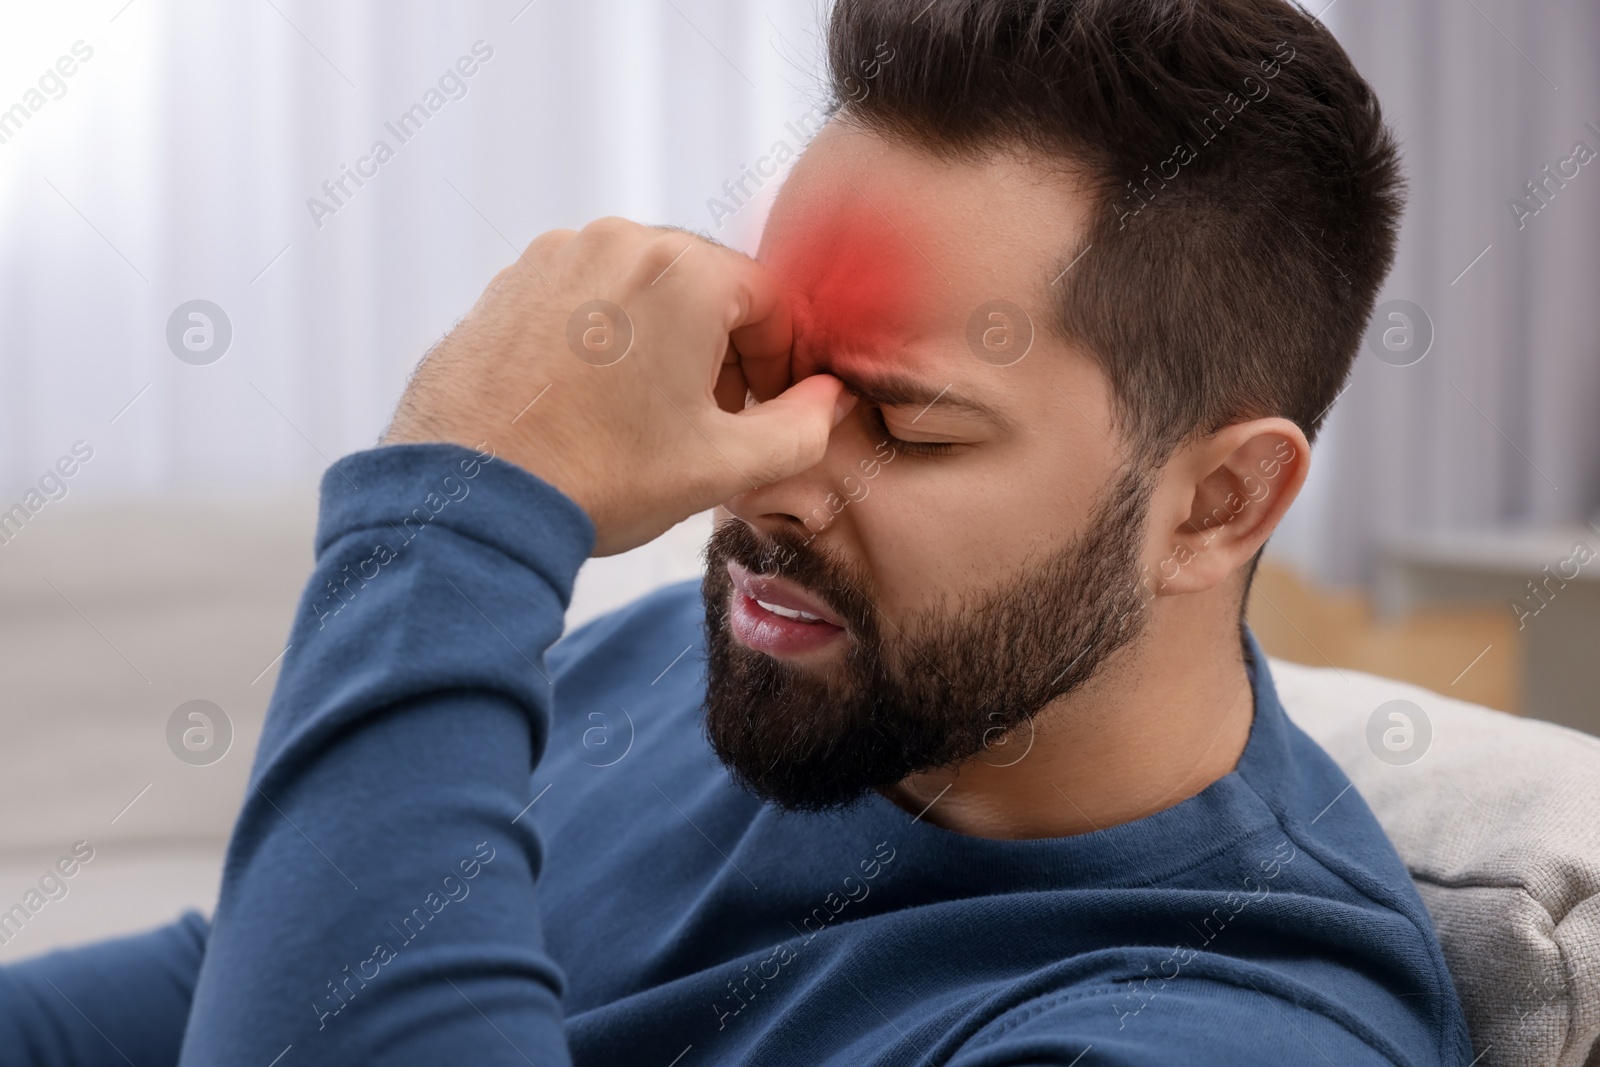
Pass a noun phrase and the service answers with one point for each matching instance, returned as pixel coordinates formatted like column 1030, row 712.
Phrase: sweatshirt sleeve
column 378, row 900
column 102, row 1005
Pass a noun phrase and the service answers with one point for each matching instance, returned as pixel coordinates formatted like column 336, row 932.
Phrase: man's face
column 968, row 549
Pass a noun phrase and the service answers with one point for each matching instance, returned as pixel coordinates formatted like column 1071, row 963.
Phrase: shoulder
column 1229, row 1015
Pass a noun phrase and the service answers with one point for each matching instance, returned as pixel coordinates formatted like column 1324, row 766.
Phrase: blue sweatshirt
column 399, row 891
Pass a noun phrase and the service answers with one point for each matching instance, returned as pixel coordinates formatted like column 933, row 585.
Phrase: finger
column 764, row 349
column 789, row 433
column 762, row 329
column 697, row 284
column 731, row 388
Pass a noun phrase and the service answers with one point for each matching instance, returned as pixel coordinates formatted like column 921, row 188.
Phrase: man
column 962, row 755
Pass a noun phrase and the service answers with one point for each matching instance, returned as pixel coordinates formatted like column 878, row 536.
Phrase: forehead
column 888, row 253
column 854, row 271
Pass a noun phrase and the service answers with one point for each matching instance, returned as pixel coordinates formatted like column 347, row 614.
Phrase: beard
column 945, row 686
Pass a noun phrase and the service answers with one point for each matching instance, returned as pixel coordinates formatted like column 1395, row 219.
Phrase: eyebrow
column 889, row 389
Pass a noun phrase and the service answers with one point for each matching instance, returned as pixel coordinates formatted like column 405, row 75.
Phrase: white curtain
column 1499, row 424
column 177, row 162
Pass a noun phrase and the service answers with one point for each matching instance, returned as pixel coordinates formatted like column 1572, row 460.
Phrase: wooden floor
column 1469, row 653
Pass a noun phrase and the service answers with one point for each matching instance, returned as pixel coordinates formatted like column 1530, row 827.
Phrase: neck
column 1162, row 719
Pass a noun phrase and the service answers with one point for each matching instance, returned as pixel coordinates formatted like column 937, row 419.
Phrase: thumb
column 789, row 433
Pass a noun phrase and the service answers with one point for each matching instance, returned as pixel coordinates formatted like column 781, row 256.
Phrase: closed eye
column 914, row 448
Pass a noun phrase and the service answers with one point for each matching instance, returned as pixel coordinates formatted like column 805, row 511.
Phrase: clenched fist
column 614, row 362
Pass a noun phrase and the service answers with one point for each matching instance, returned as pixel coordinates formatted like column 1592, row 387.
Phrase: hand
column 635, row 409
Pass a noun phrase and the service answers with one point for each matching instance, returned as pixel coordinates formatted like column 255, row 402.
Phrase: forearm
column 378, row 902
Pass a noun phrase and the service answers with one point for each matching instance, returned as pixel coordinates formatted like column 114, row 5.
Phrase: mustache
column 785, row 554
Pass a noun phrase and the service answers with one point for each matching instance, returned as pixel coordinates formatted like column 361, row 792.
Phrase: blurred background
column 213, row 282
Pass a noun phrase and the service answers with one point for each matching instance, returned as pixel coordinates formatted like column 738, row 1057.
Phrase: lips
column 777, row 617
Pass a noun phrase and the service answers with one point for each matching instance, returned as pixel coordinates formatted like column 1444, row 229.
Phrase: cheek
column 935, row 527
column 924, row 532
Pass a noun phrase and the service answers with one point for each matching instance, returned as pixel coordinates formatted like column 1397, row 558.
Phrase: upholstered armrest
column 1498, row 820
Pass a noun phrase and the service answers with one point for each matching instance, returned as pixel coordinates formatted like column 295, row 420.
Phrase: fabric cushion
column 1498, row 820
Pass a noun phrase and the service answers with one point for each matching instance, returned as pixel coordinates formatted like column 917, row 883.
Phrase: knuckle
column 667, row 251
column 547, row 244
column 608, row 229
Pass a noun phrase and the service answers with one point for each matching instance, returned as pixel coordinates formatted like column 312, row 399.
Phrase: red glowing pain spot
column 855, row 273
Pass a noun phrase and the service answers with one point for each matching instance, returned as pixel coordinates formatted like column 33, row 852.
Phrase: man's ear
column 1221, row 496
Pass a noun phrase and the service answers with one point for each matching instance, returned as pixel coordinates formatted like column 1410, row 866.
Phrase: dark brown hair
column 1247, row 190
